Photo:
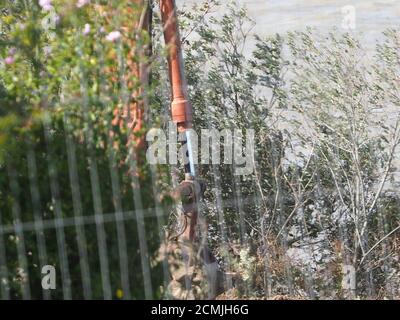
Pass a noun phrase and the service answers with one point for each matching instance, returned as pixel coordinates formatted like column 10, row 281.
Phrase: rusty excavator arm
column 191, row 190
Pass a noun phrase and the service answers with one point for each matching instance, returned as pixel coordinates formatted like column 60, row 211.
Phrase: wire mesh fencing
column 79, row 221
column 64, row 206
column 86, row 218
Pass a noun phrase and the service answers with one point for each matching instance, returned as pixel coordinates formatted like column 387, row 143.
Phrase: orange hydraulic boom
column 181, row 108
column 192, row 189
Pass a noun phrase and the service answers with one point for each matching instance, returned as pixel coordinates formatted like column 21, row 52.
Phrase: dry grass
column 233, row 294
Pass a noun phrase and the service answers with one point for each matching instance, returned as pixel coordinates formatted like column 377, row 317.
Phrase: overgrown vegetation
column 319, row 212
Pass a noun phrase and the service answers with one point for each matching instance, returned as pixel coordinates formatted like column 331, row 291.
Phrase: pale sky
column 272, row 16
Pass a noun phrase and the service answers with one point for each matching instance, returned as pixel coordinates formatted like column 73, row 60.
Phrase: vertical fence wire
column 23, row 271
column 160, row 223
column 101, row 234
column 37, row 211
column 56, row 200
column 96, row 194
column 135, row 186
column 116, row 190
column 4, row 274
column 260, row 203
column 121, row 234
column 78, row 212
column 141, row 229
column 217, row 191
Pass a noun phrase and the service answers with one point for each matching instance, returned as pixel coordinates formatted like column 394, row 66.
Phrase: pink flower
column 113, row 36
column 86, row 30
column 47, row 51
column 46, row 5
column 9, row 60
column 81, row 3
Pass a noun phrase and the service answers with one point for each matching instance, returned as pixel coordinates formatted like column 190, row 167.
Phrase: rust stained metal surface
column 181, row 108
